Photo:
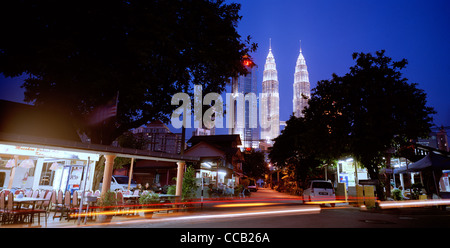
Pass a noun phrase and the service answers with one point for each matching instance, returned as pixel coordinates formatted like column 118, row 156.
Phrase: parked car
column 319, row 191
column 252, row 186
column 121, row 182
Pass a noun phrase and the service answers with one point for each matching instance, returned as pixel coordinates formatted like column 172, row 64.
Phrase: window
column 123, row 180
column 324, row 185
column 47, row 175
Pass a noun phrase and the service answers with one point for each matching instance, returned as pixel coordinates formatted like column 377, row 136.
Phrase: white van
column 120, row 183
column 319, row 190
column 252, row 185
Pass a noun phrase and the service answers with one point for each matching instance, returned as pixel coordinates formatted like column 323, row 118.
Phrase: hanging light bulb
column 54, row 166
column 27, row 163
column 10, row 163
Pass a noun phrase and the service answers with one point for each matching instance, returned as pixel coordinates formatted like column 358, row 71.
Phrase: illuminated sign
column 45, row 152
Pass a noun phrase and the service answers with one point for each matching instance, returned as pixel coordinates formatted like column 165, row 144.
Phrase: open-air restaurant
column 54, row 180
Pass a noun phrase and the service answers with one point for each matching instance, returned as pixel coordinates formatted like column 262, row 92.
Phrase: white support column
column 37, row 173
column 13, row 172
column 180, row 174
column 108, row 172
column 401, row 181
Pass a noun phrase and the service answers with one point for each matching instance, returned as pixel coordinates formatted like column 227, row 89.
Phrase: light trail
column 413, row 203
column 247, row 214
column 302, row 210
column 120, row 212
column 256, row 204
column 325, row 202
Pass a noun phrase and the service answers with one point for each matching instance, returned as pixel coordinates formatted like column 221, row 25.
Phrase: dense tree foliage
column 363, row 113
column 254, row 164
column 79, row 55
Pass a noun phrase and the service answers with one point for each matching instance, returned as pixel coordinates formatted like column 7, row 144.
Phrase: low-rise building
column 220, row 160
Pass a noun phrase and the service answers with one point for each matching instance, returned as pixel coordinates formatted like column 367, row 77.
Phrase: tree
column 128, row 140
column 369, row 110
column 254, row 164
column 80, row 55
column 299, row 150
column 189, row 184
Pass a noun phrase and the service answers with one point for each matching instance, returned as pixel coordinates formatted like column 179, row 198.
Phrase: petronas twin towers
column 269, row 100
column 271, row 97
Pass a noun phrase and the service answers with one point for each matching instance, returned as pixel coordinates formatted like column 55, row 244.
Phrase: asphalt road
column 270, row 209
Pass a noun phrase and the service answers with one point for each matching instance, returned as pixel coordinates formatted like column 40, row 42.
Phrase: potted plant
column 416, row 189
column 147, row 200
column 189, row 184
column 397, row 195
column 107, row 202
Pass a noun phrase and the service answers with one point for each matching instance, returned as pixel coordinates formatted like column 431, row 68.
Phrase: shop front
column 350, row 174
column 28, row 162
column 213, row 173
column 220, row 164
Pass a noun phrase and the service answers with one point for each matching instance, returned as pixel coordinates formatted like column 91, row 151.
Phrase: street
column 270, row 209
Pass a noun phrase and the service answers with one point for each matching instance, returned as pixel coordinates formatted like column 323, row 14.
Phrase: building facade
column 160, row 138
column 437, row 139
column 245, row 84
column 221, row 159
column 270, row 101
column 302, row 92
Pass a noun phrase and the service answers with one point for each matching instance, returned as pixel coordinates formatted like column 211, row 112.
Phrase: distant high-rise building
column 245, row 84
column 270, row 100
column 159, row 138
column 302, row 92
column 442, row 140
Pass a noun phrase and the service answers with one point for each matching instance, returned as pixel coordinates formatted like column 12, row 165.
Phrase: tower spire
column 301, row 85
column 270, row 44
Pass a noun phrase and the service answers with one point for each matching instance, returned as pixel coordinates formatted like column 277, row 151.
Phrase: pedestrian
column 147, row 186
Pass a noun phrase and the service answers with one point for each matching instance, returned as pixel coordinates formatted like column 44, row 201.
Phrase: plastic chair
column 2, row 207
column 62, row 204
column 119, row 197
column 45, row 207
column 59, row 204
column 35, row 194
column 15, row 215
column 67, row 204
column 29, row 193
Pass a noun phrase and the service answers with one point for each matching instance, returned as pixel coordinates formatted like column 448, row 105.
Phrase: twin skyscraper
column 270, row 96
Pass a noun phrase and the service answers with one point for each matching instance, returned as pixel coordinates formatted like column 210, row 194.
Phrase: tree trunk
column 98, row 174
column 374, row 175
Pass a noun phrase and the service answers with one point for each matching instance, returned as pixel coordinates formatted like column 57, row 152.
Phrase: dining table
column 134, row 199
column 18, row 202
